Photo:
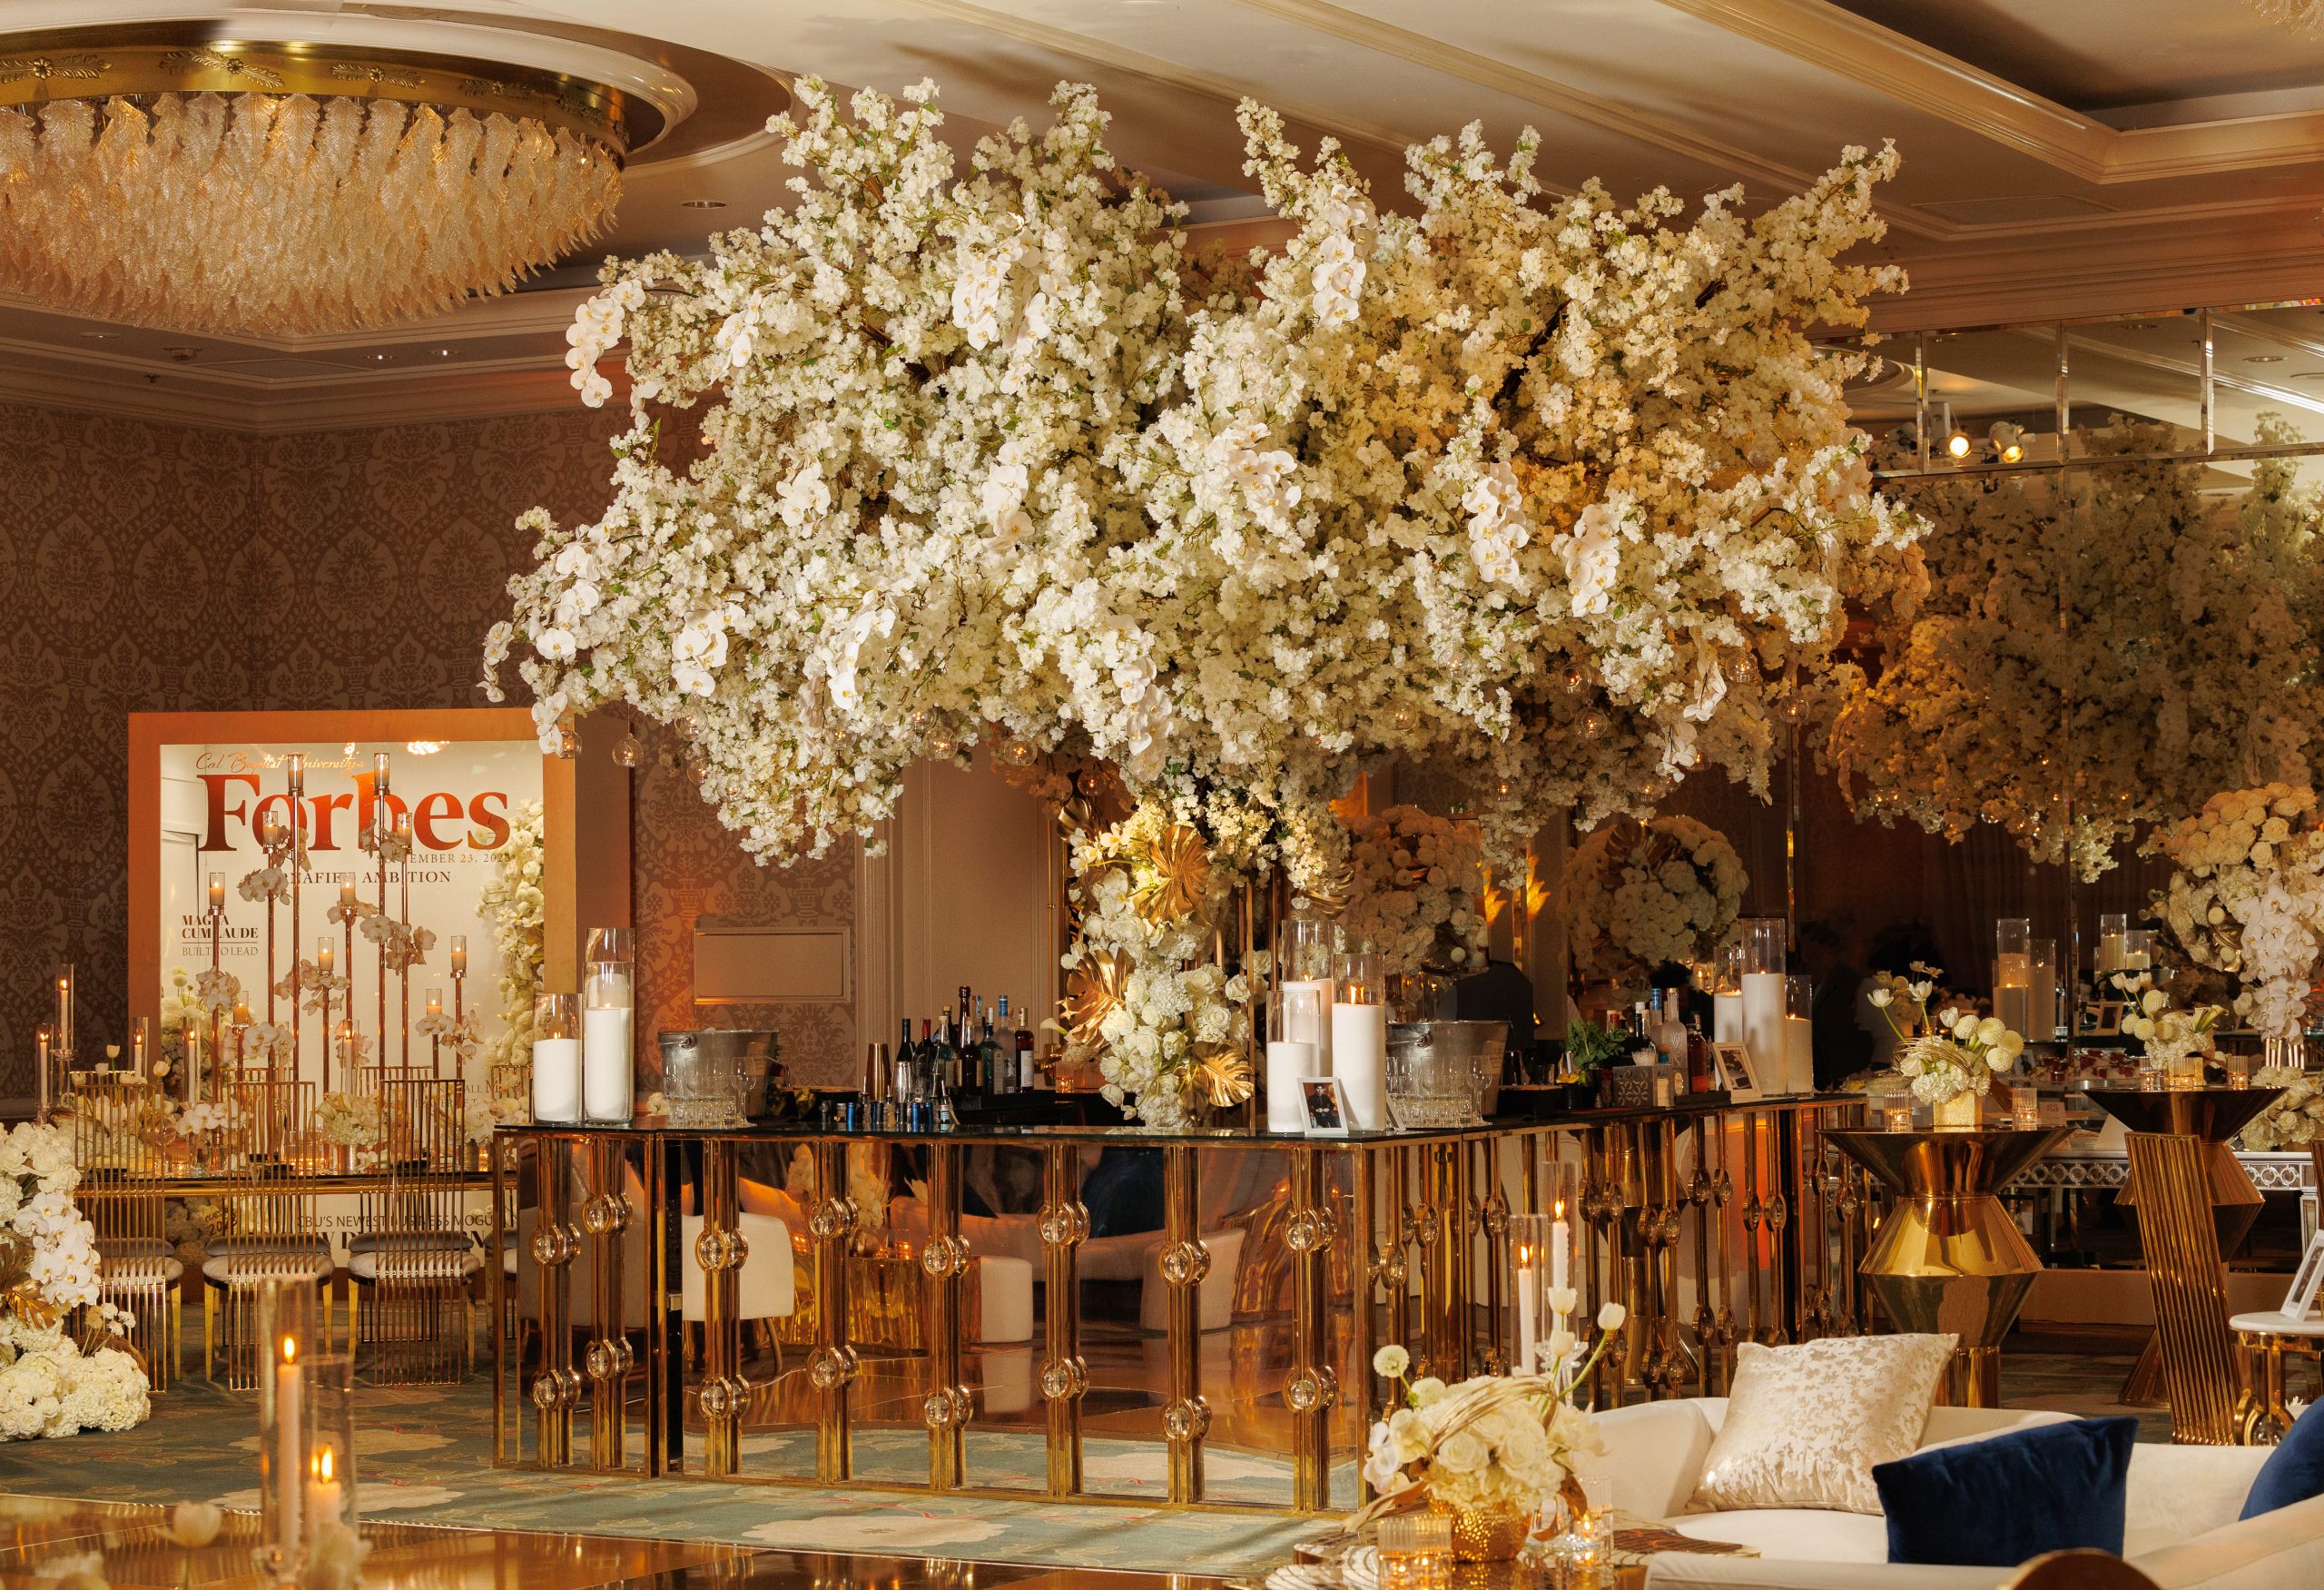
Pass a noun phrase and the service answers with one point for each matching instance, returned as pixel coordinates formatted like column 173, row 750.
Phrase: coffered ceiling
column 2062, row 157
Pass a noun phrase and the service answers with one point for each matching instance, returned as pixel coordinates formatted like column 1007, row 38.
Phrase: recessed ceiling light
column 2263, row 358
column 380, row 357
column 443, row 353
column 704, row 205
column 97, row 336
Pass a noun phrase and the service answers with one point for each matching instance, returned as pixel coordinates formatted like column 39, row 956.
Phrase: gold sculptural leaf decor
column 18, row 1296
column 1223, row 1071
column 1093, row 990
column 218, row 61
column 1331, row 894
column 1177, row 881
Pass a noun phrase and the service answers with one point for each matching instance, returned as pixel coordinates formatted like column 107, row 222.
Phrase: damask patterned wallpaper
column 149, row 568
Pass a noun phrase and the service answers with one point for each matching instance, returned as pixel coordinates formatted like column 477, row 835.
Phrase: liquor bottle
column 998, row 1075
column 1020, row 1044
column 1674, row 1030
column 964, row 1042
column 1699, row 1069
column 1642, row 1049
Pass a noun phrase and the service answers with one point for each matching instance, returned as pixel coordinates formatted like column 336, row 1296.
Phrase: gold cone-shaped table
column 1948, row 1257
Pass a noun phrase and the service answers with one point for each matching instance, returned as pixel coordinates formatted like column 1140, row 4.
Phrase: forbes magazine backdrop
column 463, row 799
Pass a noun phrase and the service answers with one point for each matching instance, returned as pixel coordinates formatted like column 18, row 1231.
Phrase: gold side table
column 2213, row 1116
column 1948, row 1257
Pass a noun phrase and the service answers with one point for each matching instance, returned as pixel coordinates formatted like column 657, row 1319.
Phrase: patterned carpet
column 425, row 1456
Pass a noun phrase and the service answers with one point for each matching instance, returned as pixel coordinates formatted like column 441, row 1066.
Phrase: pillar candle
column 1726, row 1018
column 1288, row 1059
column 1763, row 1016
column 556, row 1080
column 1306, row 1018
column 1360, row 1059
column 289, row 1441
column 1798, row 1055
column 1528, row 1288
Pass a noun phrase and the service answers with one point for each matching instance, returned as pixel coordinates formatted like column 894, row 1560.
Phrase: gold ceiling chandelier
column 220, row 185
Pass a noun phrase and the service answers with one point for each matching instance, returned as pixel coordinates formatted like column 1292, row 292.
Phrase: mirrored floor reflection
column 128, row 1545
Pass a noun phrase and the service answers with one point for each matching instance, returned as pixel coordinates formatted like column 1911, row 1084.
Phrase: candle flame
column 323, row 1464
column 1558, row 1210
column 289, row 1348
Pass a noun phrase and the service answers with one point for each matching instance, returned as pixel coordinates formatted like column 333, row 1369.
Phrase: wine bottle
column 1020, row 1045
column 988, row 1058
column 1699, row 1077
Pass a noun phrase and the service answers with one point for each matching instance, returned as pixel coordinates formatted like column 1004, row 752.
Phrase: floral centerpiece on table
column 2109, row 635
column 2176, row 1040
column 50, row 1384
column 1418, row 891
column 1641, row 895
column 1951, row 1056
column 2248, row 898
column 1146, row 997
column 1495, row 1450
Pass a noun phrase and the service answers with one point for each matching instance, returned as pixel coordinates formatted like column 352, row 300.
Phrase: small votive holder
column 1415, row 1551
column 1896, row 1118
column 2150, row 1079
column 2025, row 1107
column 2238, row 1068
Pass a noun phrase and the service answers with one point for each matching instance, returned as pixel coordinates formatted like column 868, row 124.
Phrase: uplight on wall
column 2009, row 442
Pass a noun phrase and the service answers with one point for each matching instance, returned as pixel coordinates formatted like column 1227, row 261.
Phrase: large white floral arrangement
column 1639, row 895
column 1418, row 893
column 1952, row 1054
column 48, row 1269
column 2248, row 898
column 514, row 903
column 1555, row 493
column 2294, row 1120
column 1146, row 997
column 2107, row 635
column 1492, row 1444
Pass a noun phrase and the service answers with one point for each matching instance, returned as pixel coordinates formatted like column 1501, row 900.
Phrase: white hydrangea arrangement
column 48, row 1269
column 2108, row 634
column 1558, row 494
column 514, row 901
column 2248, row 898
column 1950, row 1054
column 1418, row 894
column 1639, row 895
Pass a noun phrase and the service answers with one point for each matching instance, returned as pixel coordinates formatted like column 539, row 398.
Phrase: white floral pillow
column 1806, row 1424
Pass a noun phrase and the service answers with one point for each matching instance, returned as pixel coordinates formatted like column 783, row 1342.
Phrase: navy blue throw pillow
column 2294, row 1470
column 2008, row 1498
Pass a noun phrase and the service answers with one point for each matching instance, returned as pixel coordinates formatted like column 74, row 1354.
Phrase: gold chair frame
column 121, row 1195
column 412, row 1239
column 271, row 1229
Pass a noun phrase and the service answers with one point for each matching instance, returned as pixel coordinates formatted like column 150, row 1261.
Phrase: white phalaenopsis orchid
column 1557, row 494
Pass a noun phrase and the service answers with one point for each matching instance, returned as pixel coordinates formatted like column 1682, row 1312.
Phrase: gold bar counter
column 1111, row 1314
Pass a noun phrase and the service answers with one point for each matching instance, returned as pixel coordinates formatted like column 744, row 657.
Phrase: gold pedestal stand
column 2212, row 1116
column 1949, row 1259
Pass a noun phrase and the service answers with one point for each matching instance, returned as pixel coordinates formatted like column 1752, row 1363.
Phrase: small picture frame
column 2301, row 1299
column 1733, row 1064
column 1324, row 1103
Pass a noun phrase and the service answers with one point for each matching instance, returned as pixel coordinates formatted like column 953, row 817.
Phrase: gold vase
column 1485, row 1534
column 1958, row 1114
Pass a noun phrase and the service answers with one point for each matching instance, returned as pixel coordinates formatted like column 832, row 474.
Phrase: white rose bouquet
column 1506, row 1443
column 2292, row 1121
column 48, row 1268
column 2248, row 898
column 1956, row 1053
column 1641, row 894
column 1418, row 894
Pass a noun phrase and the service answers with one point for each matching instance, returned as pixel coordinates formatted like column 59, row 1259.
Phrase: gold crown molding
column 140, row 61
column 1822, row 35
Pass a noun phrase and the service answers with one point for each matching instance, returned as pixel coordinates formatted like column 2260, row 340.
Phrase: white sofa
column 2181, row 1526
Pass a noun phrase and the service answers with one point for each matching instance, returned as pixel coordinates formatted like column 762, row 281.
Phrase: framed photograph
column 2301, row 1299
column 1733, row 1064
column 1324, row 1104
